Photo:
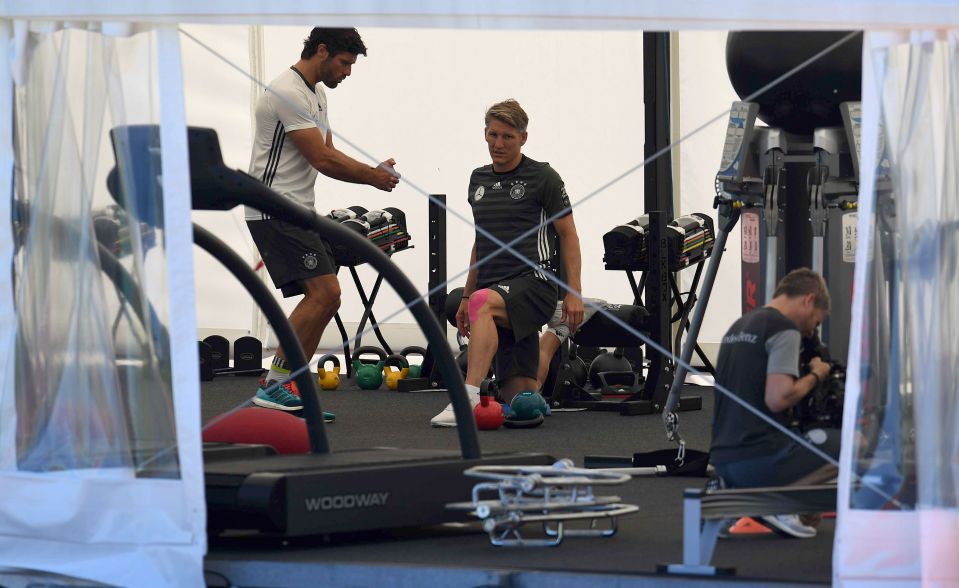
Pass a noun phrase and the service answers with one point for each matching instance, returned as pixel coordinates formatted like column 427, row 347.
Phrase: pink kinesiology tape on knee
column 477, row 300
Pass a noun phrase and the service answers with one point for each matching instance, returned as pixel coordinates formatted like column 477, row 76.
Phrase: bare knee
column 549, row 342
column 323, row 296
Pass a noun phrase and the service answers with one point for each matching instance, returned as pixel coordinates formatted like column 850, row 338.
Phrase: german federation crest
column 517, row 191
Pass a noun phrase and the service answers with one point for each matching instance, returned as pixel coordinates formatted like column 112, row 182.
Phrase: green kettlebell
column 392, row 376
column 416, row 370
column 368, row 376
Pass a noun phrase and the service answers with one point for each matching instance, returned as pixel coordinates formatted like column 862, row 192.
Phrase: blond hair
column 508, row 112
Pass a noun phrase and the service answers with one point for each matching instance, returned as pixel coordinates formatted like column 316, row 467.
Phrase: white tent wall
column 873, row 15
column 705, row 93
column 419, row 96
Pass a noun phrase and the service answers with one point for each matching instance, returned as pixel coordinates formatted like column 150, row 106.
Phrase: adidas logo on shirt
column 497, row 186
column 504, row 288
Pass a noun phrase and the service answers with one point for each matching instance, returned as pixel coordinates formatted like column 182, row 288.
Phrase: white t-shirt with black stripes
column 288, row 104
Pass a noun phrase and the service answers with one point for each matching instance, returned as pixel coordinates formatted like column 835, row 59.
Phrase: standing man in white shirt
column 293, row 142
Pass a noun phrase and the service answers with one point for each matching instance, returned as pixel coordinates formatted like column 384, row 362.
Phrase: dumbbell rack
column 684, row 306
column 367, row 301
column 652, row 396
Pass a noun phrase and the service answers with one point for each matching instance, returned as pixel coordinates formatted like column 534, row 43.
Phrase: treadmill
column 320, row 492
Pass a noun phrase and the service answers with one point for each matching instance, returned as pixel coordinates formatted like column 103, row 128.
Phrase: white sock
column 277, row 375
column 470, row 389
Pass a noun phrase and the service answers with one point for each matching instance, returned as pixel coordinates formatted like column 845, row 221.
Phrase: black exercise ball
column 453, row 300
column 808, row 99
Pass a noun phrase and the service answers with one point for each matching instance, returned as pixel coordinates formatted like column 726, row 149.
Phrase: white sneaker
column 788, row 525
column 447, row 418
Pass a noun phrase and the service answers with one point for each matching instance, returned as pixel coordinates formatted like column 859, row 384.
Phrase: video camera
column 823, row 406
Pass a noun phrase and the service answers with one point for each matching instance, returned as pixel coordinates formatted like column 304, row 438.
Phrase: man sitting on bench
column 759, row 361
column 506, row 301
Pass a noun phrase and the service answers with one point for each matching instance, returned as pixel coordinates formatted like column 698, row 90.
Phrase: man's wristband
column 818, row 379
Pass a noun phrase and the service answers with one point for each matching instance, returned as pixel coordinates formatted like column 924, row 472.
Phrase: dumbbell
column 328, row 379
column 393, row 377
column 416, row 370
column 342, row 214
column 396, row 216
column 576, row 367
column 376, row 218
column 368, row 376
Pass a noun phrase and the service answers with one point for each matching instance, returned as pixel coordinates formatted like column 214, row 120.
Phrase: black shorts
column 291, row 254
column 530, row 301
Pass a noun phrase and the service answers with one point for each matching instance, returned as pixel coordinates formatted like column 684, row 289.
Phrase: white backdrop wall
column 419, row 96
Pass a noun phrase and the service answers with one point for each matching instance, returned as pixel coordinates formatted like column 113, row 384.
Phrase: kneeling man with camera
column 759, row 361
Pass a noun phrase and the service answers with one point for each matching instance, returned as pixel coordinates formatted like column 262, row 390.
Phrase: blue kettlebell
column 368, row 376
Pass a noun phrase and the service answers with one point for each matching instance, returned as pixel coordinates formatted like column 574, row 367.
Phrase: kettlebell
column 392, row 376
column 608, row 362
column 488, row 413
column 368, row 376
column 416, row 370
column 527, row 410
column 528, row 405
column 329, row 379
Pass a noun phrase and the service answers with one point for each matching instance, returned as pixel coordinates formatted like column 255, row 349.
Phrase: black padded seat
column 601, row 331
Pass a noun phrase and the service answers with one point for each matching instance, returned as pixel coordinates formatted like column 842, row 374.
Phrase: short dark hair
column 801, row 282
column 336, row 41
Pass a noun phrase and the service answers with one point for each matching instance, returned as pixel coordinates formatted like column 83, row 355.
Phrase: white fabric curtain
column 260, row 327
column 901, row 418
column 899, row 492
column 88, row 417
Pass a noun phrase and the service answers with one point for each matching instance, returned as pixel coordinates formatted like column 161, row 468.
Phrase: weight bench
column 704, row 511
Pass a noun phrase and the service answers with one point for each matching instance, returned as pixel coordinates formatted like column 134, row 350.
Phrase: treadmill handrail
column 319, row 443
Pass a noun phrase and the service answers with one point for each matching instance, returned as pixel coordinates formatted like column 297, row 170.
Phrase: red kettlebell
column 488, row 413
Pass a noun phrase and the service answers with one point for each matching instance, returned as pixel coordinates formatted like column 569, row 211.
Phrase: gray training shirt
column 762, row 342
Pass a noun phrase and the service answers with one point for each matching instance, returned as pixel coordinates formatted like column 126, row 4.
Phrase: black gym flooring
column 415, row 557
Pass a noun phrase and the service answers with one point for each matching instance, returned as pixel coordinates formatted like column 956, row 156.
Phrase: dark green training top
column 510, row 204
column 762, row 342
